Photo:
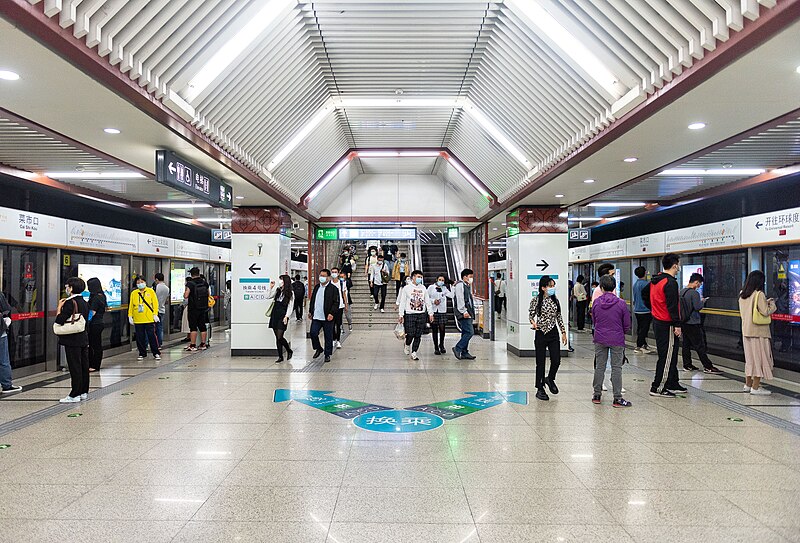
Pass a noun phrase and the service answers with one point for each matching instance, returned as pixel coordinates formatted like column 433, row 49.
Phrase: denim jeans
column 467, row 331
column 5, row 363
column 160, row 329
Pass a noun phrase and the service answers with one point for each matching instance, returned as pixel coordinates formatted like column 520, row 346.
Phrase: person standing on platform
column 71, row 309
column 439, row 293
column 581, row 302
column 544, row 314
column 464, row 308
column 97, row 310
column 756, row 310
column 612, row 321
column 378, row 280
column 162, row 293
column 399, row 271
column 692, row 328
column 499, row 294
column 322, row 306
column 414, row 303
column 299, row 291
column 143, row 314
column 6, row 383
column 196, row 294
column 281, row 294
column 641, row 311
column 663, row 298
column 339, row 282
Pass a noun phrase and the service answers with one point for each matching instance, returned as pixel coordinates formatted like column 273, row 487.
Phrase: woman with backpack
column 612, row 321
column 72, row 314
column 756, row 310
column 545, row 317
column 97, row 310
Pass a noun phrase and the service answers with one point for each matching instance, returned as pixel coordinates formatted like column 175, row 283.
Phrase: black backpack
column 685, row 306
column 200, row 295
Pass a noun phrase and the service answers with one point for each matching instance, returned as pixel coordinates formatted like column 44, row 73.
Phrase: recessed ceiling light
column 240, row 197
column 615, row 204
column 214, row 219
column 8, row 75
column 182, row 206
column 798, row 69
column 697, row 126
column 111, row 131
column 630, row 159
column 503, row 224
column 559, row 195
column 588, row 181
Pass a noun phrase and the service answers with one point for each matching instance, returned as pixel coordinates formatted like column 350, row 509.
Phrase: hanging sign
column 174, row 171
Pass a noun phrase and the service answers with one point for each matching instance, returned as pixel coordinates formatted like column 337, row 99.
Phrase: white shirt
column 342, row 286
column 414, row 299
column 442, row 296
column 500, row 288
column 375, row 272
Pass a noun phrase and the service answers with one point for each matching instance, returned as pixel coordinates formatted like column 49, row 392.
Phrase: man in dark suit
column 324, row 302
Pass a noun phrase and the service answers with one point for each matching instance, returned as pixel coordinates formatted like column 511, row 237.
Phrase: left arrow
column 253, row 269
column 322, row 400
column 171, row 168
column 476, row 401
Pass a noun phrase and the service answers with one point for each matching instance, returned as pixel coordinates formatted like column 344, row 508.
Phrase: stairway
column 364, row 316
column 434, row 263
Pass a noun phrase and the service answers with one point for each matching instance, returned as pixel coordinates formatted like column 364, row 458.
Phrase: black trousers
column 692, row 338
column 499, row 302
column 667, row 345
column 78, row 363
column 643, row 321
column 437, row 332
column 414, row 325
column 580, row 311
column 544, row 343
column 379, row 290
column 95, row 346
column 399, row 284
column 298, row 308
column 337, row 324
column 327, row 327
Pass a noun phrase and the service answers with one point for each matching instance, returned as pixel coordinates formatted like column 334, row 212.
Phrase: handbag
column 74, row 325
column 758, row 318
column 268, row 312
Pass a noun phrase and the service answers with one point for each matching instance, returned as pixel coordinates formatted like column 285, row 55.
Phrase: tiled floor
column 199, row 452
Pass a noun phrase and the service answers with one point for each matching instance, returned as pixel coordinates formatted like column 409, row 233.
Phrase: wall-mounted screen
column 380, row 234
column 794, row 289
column 110, row 279
column 177, row 284
column 686, row 274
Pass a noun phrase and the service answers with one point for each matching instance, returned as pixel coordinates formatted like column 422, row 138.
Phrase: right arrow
column 476, row 401
column 543, row 264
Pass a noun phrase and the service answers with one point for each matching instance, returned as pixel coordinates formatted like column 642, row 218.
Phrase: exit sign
column 327, row 234
column 453, row 232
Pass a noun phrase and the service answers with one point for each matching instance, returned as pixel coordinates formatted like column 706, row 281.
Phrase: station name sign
column 178, row 173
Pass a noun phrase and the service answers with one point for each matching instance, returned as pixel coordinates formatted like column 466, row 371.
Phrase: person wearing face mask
column 281, row 293
column 143, row 314
column 397, row 301
column 322, row 306
column 76, row 344
column 370, row 260
column 544, row 314
column 399, row 271
column 378, row 280
column 338, row 281
column 464, row 308
column 439, row 293
column 414, row 303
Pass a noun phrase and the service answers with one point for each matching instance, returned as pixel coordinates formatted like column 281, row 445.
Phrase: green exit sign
column 327, row 234
column 452, row 232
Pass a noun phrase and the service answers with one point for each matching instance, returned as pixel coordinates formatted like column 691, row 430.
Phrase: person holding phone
column 756, row 311
column 693, row 337
column 281, row 294
column 70, row 311
column 545, row 317
column 439, row 293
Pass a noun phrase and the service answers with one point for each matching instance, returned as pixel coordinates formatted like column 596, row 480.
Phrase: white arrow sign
column 171, row 168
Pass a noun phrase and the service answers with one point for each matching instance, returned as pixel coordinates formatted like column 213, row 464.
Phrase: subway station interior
column 412, row 271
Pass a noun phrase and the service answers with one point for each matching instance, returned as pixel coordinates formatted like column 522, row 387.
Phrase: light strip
column 585, row 219
column 214, row 219
column 397, row 102
column 117, row 204
column 328, row 178
column 181, row 206
column 466, row 175
column 94, row 175
column 499, row 137
column 229, row 52
column 568, row 43
column 398, row 154
column 716, row 171
column 616, row 204
column 318, row 117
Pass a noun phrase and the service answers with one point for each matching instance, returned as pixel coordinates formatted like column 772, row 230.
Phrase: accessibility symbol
column 398, row 421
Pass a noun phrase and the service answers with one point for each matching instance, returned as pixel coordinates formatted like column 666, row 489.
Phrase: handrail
column 446, row 260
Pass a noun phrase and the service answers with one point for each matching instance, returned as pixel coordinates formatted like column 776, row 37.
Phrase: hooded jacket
column 664, row 299
column 611, row 320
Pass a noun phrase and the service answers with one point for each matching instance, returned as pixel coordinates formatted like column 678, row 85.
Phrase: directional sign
column 322, row 400
column 580, row 234
column 476, row 401
column 181, row 174
column 543, row 265
column 398, row 421
column 220, row 235
column 253, row 268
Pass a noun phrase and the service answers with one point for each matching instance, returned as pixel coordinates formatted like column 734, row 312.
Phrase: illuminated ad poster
column 110, row 280
column 794, row 290
column 177, row 284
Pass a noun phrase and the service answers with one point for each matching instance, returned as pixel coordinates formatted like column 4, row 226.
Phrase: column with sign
column 537, row 246
column 260, row 254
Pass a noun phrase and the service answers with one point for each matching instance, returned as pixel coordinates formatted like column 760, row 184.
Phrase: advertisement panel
column 177, row 283
column 110, row 280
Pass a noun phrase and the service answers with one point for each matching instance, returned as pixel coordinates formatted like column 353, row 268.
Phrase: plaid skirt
column 414, row 323
column 440, row 318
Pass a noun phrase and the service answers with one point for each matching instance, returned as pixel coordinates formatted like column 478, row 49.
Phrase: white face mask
column 68, row 290
column 334, row 275
column 470, row 279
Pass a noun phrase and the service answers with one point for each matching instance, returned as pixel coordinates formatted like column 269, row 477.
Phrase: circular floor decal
column 398, row 421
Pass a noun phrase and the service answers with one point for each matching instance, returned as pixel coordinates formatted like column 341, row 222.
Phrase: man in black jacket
column 299, row 291
column 324, row 302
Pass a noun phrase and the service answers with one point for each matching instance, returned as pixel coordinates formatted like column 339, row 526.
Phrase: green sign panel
column 453, row 232
column 327, row 234
column 73, row 415
column 4, row 446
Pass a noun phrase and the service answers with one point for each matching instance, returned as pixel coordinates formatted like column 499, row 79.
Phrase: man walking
column 341, row 286
column 196, row 294
column 299, row 291
column 465, row 313
column 414, row 302
column 663, row 296
column 322, row 306
column 162, row 294
column 378, row 280
column 692, row 329
column 641, row 312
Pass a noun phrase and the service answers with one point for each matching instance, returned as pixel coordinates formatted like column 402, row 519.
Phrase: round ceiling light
column 630, row 159
column 697, row 126
column 559, row 195
column 588, row 181
column 8, row 75
column 111, row 131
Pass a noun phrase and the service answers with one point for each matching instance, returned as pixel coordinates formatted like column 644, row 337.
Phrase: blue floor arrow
column 322, row 400
column 476, row 401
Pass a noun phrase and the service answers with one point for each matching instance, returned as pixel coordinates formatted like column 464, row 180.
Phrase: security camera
column 295, row 225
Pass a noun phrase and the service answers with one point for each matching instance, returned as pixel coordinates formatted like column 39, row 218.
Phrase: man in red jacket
column 664, row 303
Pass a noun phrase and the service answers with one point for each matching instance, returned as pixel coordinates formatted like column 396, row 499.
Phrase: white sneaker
column 375, row 306
column 637, row 350
column 414, row 356
column 746, row 388
column 760, row 392
column 337, row 344
column 623, row 390
column 84, row 396
column 158, row 357
column 70, row 399
column 605, row 388
column 382, row 311
column 139, row 358
column 407, row 349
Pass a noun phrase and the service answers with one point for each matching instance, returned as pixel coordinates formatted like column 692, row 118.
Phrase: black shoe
column 663, row 394
column 677, row 388
column 691, row 367
column 551, row 384
column 622, row 402
column 596, row 399
column 289, row 354
column 713, row 371
column 442, row 349
column 327, row 359
column 456, row 353
column 436, row 350
column 278, row 361
column 317, row 353
column 541, row 394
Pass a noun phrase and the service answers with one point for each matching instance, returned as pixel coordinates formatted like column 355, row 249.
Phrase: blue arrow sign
column 476, row 401
column 322, row 400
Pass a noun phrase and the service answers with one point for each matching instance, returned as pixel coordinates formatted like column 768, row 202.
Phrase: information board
column 380, row 234
column 178, row 173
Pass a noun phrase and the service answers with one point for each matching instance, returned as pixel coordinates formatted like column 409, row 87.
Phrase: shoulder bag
column 758, row 318
column 74, row 325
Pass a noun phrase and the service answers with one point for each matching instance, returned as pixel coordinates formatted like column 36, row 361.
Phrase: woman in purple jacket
column 611, row 320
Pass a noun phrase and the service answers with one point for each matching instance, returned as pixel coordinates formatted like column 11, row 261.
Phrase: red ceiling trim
column 754, row 33
column 32, row 20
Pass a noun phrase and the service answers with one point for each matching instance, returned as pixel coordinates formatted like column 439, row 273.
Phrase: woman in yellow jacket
column 143, row 314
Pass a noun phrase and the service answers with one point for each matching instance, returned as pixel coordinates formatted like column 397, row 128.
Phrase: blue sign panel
column 398, row 421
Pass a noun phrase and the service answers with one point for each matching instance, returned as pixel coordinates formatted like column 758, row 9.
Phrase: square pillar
column 537, row 245
column 260, row 253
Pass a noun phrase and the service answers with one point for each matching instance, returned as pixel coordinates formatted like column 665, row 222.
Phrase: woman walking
column 439, row 293
column 97, row 310
column 279, row 318
column 612, row 321
column 70, row 326
column 545, row 316
column 581, row 302
column 755, row 309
